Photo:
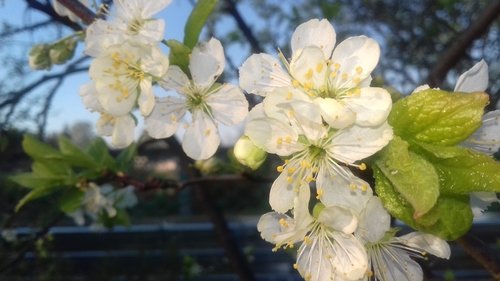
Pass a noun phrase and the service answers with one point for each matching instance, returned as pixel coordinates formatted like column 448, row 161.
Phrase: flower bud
column 63, row 50
column 39, row 57
column 209, row 166
column 317, row 209
column 248, row 154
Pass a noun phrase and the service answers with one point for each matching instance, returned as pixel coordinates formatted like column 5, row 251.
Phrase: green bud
column 317, row 209
column 209, row 166
column 39, row 57
column 63, row 50
column 248, row 154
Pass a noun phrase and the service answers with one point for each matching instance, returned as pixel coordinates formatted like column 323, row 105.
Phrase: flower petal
column 105, row 125
column 154, row 62
column 146, row 98
column 474, row 79
column 164, row 119
column 319, row 33
column 336, row 114
column 372, row 106
column 229, row 105
column 394, row 264
column 308, row 66
column 374, row 221
column 270, row 227
column 356, row 143
column 88, row 94
column 480, row 201
column 123, row 131
column 206, row 63
column 428, row 243
column 260, row 74
column 282, row 194
column 175, row 79
column 487, row 138
column 338, row 218
column 201, row 138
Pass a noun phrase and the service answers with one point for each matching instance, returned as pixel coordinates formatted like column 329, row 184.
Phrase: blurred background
column 169, row 235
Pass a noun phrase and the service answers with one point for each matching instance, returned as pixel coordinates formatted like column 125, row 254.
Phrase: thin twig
column 480, row 252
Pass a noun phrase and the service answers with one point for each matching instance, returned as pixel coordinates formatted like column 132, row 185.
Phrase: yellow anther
column 356, row 80
column 308, row 277
column 362, row 166
column 344, row 76
column 308, row 85
column 305, row 164
column 279, row 141
column 295, row 83
column 311, row 93
column 207, row 132
column 283, row 222
column 364, row 187
column 289, row 179
column 309, row 74
column 359, row 69
column 336, row 65
column 291, row 113
column 173, row 118
column 333, row 74
column 287, row 161
column 295, row 266
column 319, row 67
column 288, row 139
column 280, row 169
column 307, row 240
column 319, row 193
column 353, row 186
column 309, row 179
column 289, row 95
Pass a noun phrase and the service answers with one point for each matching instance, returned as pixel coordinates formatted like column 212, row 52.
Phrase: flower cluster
column 321, row 115
column 128, row 62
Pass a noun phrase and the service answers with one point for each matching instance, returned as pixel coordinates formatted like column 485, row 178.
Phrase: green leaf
column 39, row 150
column 197, row 20
column 99, row 151
column 450, row 218
column 74, row 155
column 125, row 159
column 414, row 178
column 71, row 200
column 438, row 117
column 179, row 55
column 51, row 168
column 33, row 181
column 462, row 170
column 35, row 194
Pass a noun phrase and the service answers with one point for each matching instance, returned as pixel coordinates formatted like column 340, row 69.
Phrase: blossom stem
column 80, row 10
column 480, row 253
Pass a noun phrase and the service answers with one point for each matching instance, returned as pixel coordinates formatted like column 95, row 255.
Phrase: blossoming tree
column 352, row 157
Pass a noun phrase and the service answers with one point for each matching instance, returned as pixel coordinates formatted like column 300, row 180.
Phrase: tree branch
column 480, row 252
column 230, row 8
column 49, row 11
column 460, row 45
column 80, row 10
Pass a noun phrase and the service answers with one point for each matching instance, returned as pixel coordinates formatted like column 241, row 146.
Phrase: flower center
column 135, row 26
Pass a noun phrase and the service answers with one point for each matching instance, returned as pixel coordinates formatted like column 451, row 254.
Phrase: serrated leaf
column 462, row 170
column 414, row 178
column 450, row 218
column 99, row 151
column 197, row 20
column 71, row 200
column 74, row 155
column 438, row 117
column 125, row 159
column 179, row 55
column 39, row 150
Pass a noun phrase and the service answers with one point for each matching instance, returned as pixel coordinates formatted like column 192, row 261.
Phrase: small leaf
column 35, row 194
column 125, row 159
column 462, row 170
column 31, row 180
column 438, row 117
column 74, row 155
column 39, row 150
column 179, row 55
column 71, row 200
column 99, row 151
column 414, row 178
column 51, row 168
column 197, row 20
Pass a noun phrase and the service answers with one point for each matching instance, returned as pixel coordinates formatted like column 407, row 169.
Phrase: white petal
column 337, row 191
column 150, row 8
column 474, row 79
column 487, row 138
column 164, row 119
column 351, row 260
column 308, row 66
column 421, row 88
column 175, row 79
column 154, row 62
column 334, row 113
column 394, row 264
column 357, row 143
column 372, row 106
column 105, row 125
column 229, row 105
column 356, row 57
column 146, row 99
column 201, row 138
column 301, row 214
column 319, row 33
column 374, row 221
column 282, row 194
column 480, row 201
column 152, row 31
column 426, row 242
column 100, row 35
column 314, row 260
column 88, row 93
column 260, row 74
column 275, row 102
column 270, row 227
column 338, row 218
column 307, row 117
column 206, row 63
column 123, row 131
